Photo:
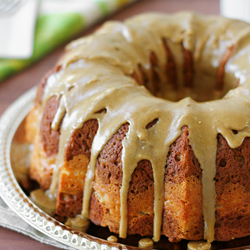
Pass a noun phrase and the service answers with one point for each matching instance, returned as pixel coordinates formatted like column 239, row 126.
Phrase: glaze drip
column 96, row 74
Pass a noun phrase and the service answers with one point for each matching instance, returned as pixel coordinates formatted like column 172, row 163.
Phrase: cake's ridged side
column 49, row 136
column 73, row 172
column 81, row 140
column 144, row 77
column 41, row 166
column 45, row 145
column 31, row 127
column 42, row 84
column 154, row 66
column 68, row 205
column 221, row 69
column 182, row 209
column 170, row 65
column 108, row 181
column 188, row 70
column 182, row 214
column 106, row 190
column 232, row 189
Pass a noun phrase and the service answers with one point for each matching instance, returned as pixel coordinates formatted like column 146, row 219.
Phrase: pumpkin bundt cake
column 143, row 127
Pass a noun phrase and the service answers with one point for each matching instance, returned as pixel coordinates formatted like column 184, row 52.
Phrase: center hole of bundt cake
column 180, row 78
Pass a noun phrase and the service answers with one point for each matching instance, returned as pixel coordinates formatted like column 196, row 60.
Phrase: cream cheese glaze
column 96, row 74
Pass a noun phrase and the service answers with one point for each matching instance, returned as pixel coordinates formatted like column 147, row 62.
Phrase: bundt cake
column 143, row 127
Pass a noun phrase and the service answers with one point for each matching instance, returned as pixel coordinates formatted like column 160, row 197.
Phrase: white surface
column 17, row 31
column 236, row 9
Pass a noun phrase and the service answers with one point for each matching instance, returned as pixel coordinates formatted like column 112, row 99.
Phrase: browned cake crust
column 40, row 90
column 182, row 216
column 108, row 180
column 45, row 146
column 178, row 217
column 232, row 189
column 50, row 137
column 72, row 175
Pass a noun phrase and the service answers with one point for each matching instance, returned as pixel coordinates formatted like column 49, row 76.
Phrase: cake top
column 120, row 75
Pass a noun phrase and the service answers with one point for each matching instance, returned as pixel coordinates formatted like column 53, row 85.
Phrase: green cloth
column 55, row 29
column 52, row 30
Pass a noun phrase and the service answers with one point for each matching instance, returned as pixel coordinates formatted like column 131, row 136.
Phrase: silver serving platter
column 18, row 201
